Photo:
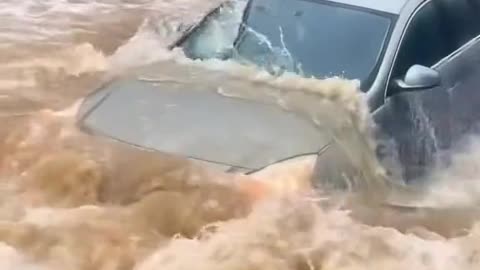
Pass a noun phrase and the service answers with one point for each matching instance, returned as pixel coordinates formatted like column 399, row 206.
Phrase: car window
column 425, row 41
column 299, row 36
column 310, row 38
column 463, row 19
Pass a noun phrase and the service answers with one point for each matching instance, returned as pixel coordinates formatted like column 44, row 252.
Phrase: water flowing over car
column 418, row 61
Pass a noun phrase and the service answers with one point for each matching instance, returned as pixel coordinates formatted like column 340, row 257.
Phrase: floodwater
column 71, row 201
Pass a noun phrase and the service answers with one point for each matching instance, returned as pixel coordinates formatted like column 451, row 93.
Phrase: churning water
column 70, row 201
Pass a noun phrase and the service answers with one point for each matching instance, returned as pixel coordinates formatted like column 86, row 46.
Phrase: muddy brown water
column 73, row 201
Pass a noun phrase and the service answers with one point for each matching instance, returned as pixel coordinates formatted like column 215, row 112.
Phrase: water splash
column 70, row 201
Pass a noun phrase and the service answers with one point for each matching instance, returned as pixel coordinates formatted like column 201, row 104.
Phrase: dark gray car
column 417, row 60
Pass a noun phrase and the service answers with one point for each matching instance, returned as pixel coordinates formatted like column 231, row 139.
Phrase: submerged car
column 418, row 61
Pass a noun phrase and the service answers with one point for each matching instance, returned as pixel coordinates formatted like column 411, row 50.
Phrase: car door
column 465, row 95
column 464, row 68
column 415, row 127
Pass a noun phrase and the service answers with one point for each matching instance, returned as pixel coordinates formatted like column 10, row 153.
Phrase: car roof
column 390, row 6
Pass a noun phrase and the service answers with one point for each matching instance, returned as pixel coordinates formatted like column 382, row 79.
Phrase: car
column 417, row 61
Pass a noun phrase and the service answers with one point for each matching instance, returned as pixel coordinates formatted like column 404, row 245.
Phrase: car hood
column 195, row 118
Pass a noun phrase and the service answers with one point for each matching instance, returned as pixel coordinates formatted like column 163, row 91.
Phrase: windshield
column 310, row 38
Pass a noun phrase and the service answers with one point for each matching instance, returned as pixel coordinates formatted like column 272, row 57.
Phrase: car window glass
column 298, row 36
column 311, row 38
column 462, row 20
column 424, row 43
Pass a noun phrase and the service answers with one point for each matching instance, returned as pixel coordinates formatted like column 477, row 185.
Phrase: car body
column 418, row 61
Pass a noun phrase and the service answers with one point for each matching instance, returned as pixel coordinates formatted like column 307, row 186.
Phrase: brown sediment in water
column 135, row 200
column 86, row 203
column 81, row 202
column 72, row 201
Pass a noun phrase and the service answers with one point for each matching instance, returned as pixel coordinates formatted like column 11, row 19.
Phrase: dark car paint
column 418, row 129
column 426, row 125
column 422, row 126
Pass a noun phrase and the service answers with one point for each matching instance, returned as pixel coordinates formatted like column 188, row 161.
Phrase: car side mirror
column 417, row 78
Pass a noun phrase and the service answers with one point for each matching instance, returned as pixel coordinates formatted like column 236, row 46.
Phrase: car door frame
column 381, row 97
column 376, row 95
column 406, row 28
column 398, row 44
column 451, row 56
